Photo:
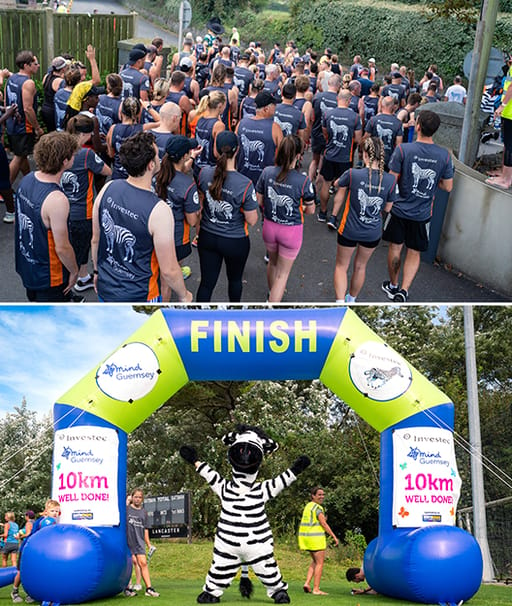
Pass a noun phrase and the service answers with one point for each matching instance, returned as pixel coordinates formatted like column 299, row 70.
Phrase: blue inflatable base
column 429, row 565
column 7, row 575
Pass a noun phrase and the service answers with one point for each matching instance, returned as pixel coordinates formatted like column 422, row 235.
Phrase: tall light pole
column 470, row 136
column 475, row 441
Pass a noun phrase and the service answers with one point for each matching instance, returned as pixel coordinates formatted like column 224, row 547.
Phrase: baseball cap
column 58, row 63
column 135, row 55
column 264, row 98
column 226, row 138
column 371, row 60
column 186, row 63
column 178, row 146
column 396, row 75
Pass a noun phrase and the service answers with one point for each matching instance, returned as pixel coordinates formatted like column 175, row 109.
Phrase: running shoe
column 9, row 217
column 84, row 284
column 29, row 600
column 152, row 593
column 391, row 291
column 16, row 598
column 332, row 190
column 265, row 258
column 186, row 272
column 194, row 242
column 332, row 223
column 322, row 217
column 136, row 587
column 74, row 298
column 402, row 296
column 129, row 593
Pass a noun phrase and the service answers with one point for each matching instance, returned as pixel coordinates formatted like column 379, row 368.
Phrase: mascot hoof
column 207, row 598
column 281, row 597
column 245, row 587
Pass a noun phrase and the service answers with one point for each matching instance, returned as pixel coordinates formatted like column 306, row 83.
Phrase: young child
column 48, row 518
column 11, row 543
column 138, row 537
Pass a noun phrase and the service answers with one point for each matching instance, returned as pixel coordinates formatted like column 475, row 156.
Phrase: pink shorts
column 286, row 240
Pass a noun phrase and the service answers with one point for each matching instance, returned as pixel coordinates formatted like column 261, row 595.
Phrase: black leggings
column 213, row 250
column 506, row 125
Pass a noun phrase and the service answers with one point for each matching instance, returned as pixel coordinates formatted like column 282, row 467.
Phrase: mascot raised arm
column 244, row 537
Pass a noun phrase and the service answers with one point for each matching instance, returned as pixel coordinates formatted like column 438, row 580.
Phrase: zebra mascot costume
column 244, row 537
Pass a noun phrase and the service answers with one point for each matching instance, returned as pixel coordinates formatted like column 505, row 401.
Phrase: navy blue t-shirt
column 289, row 118
column 420, row 167
column 341, row 124
column 387, row 127
column 361, row 219
column 283, row 202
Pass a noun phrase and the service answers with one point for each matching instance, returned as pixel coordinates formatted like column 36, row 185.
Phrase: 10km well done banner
column 85, row 468
column 426, row 485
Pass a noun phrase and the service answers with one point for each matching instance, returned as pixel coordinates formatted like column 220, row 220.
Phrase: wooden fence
column 49, row 34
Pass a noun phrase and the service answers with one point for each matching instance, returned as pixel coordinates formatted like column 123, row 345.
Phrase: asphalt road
column 311, row 279
column 145, row 29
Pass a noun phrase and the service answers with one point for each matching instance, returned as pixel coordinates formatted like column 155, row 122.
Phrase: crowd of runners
column 133, row 175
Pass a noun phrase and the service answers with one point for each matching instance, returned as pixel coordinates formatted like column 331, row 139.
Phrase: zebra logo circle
column 378, row 372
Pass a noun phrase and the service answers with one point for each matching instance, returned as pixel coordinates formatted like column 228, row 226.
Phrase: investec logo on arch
column 130, row 373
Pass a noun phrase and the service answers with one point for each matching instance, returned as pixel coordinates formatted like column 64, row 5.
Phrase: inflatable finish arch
column 419, row 554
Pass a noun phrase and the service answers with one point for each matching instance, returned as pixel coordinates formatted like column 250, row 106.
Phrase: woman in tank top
column 108, row 110
column 284, row 195
column 208, row 126
column 52, row 81
column 175, row 185
column 130, row 125
column 248, row 106
column 228, row 206
column 369, row 191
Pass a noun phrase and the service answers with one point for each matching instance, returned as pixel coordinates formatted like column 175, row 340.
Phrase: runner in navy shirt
column 229, row 205
column 370, row 191
column 420, row 167
column 284, row 194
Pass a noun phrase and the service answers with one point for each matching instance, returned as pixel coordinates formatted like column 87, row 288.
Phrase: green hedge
column 390, row 32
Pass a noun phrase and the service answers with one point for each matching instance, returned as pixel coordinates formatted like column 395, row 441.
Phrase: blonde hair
column 374, row 147
column 160, row 89
column 212, row 100
column 51, row 503
column 10, row 516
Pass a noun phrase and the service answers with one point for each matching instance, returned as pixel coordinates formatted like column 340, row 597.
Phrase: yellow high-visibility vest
column 311, row 534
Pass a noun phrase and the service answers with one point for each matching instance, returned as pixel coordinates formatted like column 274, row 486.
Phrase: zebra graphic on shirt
column 219, row 207
column 244, row 537
column 25, row 224
column 116, row 234
column 252, row 147
column 205, row 144
column 280, row 201
column 286, row 127
column 386, row 134
column 423, row 174
column 70, row 184
column 339, row 129
column 369, row 206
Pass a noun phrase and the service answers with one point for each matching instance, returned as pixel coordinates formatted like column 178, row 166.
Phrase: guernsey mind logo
column 130, row 373
column 378, row 372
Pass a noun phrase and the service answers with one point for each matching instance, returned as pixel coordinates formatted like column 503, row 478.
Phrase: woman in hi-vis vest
column 312, row 529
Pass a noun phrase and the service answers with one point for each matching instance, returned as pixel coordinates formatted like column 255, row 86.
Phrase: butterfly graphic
column 403, row 512
column 403, row 466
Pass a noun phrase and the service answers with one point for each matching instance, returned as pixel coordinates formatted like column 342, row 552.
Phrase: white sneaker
column 16, row 598
column 152, row 593
column 84, row 284
column 136, row 587
column 9, row 217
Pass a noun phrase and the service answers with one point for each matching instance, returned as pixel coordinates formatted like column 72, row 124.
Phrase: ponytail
column 288, row 150
column 164, row 176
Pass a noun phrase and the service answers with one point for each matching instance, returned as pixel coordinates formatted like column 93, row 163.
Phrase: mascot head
column 247, row 446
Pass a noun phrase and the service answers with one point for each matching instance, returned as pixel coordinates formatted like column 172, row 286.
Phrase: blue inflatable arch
column 419, row 554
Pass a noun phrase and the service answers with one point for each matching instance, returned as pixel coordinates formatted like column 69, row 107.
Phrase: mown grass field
column 178, row 571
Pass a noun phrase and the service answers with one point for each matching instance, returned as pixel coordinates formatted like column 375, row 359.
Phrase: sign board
column 426, row 485
column 85, row 473
column 496, row 61
column 186, row 13
column 169, row 516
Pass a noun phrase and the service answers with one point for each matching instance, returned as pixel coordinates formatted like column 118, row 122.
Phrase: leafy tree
column 26, row 453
